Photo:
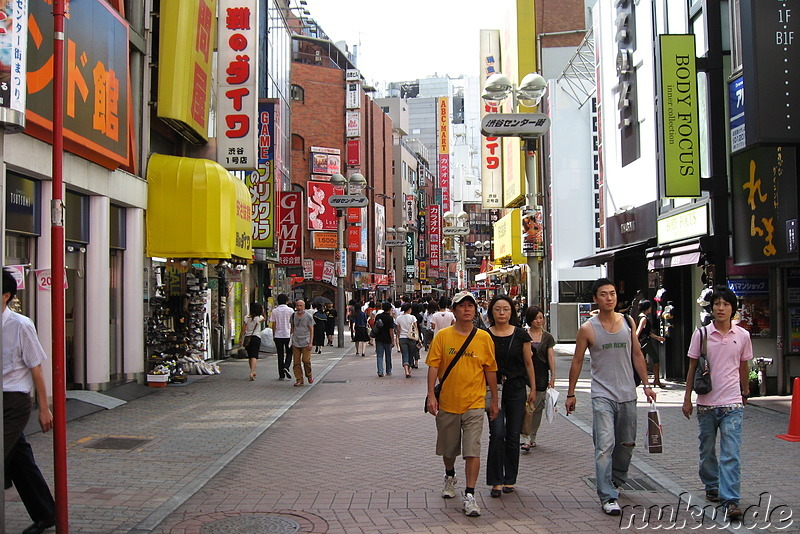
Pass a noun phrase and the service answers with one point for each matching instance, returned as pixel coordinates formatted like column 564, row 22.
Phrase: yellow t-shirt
column 465, row 387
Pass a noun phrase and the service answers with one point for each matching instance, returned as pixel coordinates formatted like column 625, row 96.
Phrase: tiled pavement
column 354, row 453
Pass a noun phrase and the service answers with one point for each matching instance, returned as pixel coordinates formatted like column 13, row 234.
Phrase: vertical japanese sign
column 410, row 212
column 237, row 84
column 362, row 259
column 491, row 148
column 186, row 46
column 435, row 235
column 308, row 268
column 353, row 120
column 290, row 229
column 13, row 47
column 679, row 119
column 354, row 152
column 96, row 80
column 380, row 235
column 765, row 208
column 261, row 181
column 443, row 120
column 353, row 96
column 354, row 239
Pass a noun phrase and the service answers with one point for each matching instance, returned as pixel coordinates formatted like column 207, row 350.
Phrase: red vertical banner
column 444, row 180
column 290, row 229
column 354, row 215
column 435, row 233
column 354, row 239
column 319, row 269
column 353, row 152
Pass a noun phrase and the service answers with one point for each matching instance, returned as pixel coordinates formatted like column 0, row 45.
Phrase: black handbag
column 437, row 389
column 702, row 375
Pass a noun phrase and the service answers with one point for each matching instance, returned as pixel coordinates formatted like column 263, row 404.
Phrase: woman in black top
column 330, row 323
column 512, row 350
column 320, row 322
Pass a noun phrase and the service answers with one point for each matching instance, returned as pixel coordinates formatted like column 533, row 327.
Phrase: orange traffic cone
column 794, row 415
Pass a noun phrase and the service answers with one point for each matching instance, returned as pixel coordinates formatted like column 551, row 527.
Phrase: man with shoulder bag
column 462, row 359
column 728, row 349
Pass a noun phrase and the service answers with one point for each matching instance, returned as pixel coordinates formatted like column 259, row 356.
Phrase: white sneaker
column 470, row 506
column 611, row 507
column 449, row 490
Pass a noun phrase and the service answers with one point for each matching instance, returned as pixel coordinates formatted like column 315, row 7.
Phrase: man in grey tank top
column 615, row 353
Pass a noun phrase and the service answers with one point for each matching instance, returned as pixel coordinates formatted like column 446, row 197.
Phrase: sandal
column 298, row 383
column 508, row 489
column 526, row 447
column 252, row 377
column 495, row 493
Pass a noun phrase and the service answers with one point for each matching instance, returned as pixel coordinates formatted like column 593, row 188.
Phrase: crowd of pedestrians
column 495, row 360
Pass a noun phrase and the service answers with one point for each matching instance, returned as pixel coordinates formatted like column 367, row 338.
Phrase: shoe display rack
column 177, row 330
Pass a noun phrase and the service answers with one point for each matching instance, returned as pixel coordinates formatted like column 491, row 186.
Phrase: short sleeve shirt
column 404, row 324
column 465, row 387
column 725, row 354
column 21, row 352
column 302, row 329
column 280, row 316
column 385, row 333
column 440, row 320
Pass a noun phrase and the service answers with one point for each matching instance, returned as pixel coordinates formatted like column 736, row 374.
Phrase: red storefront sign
column 353, row 152
column 435, row 233
column 354, row 239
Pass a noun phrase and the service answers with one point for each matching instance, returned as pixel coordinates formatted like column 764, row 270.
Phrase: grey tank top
column 612, row 370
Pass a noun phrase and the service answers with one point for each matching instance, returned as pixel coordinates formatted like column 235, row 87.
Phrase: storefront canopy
column 675, row 255
column 196, row 209
column 604, row 256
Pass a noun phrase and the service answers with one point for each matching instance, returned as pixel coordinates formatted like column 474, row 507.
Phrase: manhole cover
column 256, row 524
column 633, row 484
column 117, row 444
column 326, row 381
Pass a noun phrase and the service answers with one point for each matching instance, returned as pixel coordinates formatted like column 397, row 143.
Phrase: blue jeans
column 408, row 348
column 722, row 475
column 614, row 432
column 502, row 461
column 383, row 351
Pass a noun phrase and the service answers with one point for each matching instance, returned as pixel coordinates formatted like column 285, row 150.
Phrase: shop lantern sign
column 260, row 181
column 237, row 84
column 13, row 43
column 765, row 210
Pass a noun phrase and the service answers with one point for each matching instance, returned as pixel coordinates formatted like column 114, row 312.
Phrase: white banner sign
column 491, row 147
column 353, row 120
column 237, row 85
column 353, row 96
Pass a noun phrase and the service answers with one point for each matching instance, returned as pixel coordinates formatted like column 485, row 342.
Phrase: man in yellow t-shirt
column 460, row 408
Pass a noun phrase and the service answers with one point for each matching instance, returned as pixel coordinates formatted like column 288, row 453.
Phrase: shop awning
column 196, row 209
column 674, row 255
column 604, row 256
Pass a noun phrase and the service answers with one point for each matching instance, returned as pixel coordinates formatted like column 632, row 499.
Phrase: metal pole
column 341, row 260
column 534, row 297
column 57, row 274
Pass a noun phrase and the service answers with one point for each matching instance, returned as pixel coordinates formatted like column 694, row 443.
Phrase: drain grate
column 261, row 524
column 633, row 484
column 335, row 381
column 117, row 444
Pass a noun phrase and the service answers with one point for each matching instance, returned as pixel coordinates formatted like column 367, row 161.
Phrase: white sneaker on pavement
column 611, row 507
column 449, row 490
column 470, row 506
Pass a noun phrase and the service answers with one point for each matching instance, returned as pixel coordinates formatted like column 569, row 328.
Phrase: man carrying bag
column 460, row 407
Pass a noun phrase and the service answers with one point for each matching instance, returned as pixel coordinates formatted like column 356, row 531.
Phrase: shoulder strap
column 704, row 349
column 458, row 354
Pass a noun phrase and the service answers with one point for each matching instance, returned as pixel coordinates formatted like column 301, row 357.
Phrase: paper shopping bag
column 654, row 440
column 550, row 405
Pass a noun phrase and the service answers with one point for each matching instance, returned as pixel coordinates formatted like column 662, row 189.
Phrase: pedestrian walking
column 302, row 335
column 443, row 317
column 648, row 339
column 544, row 366
column 361, row 331
column 728, row 349
column 280, row 321
column 408, row 347
column 614, row 348
column 320, row 323
column 22, row 372
column 459, row 409
column 384, row 339
column 416, row 310
column 514, row 373
column 330, row 323
column 250, row 338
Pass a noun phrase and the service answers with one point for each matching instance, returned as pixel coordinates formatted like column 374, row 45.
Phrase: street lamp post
column 458, row 228
column 356, row 181
column 529, row 93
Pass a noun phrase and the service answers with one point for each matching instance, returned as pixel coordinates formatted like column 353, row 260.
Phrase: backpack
column 376, row 329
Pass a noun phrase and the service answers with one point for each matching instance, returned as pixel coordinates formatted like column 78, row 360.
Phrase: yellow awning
column 196, row 209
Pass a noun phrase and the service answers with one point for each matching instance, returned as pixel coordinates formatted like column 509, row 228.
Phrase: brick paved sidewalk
column 189, row 433
column 356, row 455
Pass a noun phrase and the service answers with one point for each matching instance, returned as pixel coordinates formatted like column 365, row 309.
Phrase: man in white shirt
column 281, row 332
column 443, row 318
column 22, row 371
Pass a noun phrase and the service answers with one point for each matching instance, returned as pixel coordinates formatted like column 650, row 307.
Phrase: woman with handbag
column 251, row 341
column 361, row 329
column 544, row 364
column 408, row 334
column 514, row 373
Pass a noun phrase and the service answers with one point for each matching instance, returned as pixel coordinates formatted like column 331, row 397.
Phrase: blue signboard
column 736, row 101
column 749, row 287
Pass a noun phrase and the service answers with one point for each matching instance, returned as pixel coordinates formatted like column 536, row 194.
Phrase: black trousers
column 16, row 412
column 24, row 474
column 284, row 357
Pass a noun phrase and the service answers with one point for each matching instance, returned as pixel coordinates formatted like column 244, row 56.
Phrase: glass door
column 115, row 366
column 75, row 315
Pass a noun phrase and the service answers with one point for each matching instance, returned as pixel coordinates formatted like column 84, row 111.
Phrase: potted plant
column 755, row 383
